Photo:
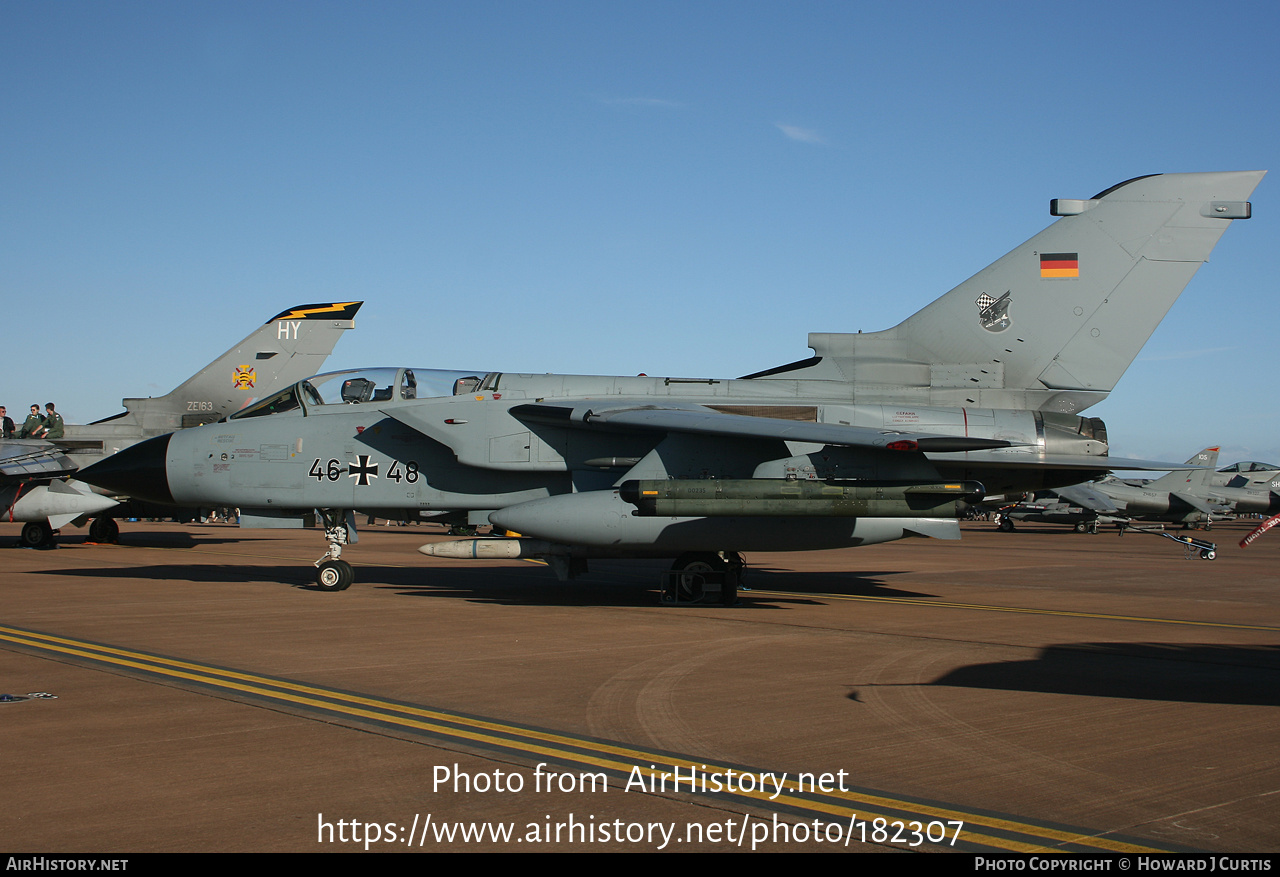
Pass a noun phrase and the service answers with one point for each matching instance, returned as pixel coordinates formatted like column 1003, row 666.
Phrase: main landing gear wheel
column 696, row 570
column 334, row 575
column 1081, row 527
column 104, row 530
column 37, row 534
column 1006, row 525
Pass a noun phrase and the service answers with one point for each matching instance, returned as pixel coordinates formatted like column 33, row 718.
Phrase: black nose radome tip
column 137, row 471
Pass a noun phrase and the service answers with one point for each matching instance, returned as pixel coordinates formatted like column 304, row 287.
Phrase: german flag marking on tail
column 1058, row 265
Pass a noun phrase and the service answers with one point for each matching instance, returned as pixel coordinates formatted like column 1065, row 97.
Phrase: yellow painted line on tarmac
column 1023, row 610
column 998, row 832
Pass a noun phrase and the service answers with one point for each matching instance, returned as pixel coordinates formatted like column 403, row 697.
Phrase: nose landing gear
column 332, row 572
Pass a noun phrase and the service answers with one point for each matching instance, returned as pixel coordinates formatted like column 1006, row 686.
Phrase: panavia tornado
column 33, row 486
column 875, row 437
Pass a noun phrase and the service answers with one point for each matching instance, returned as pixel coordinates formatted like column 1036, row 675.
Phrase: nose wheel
column 334, row 575
column 332, row 572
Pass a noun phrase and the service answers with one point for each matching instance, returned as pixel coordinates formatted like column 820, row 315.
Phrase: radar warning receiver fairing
column 875, row 437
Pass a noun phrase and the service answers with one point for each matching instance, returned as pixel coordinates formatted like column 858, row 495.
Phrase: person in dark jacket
column 7, row 428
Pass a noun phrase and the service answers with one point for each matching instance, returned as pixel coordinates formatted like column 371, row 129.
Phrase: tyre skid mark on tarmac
column 983, row 830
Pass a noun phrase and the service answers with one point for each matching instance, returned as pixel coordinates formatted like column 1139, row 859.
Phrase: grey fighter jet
column 287, row 348
column 32, row 490
column 1249, row 473
column 290, row 346
column 1175, row 498
column 875, row 437
column 1184, row 496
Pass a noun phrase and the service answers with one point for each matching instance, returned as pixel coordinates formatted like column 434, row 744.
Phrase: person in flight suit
column 53, row 425
column 33, row 426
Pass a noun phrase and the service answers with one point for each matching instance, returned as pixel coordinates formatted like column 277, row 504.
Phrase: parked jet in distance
column 876, row 437
column 32, row 490
column 1184, row 496
column 287, row 348
column 1112, row 500
column 1249, row 473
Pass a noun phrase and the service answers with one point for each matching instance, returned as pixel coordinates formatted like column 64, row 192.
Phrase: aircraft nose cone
column 137, row 471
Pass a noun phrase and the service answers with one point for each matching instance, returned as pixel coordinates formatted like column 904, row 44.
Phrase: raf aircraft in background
column 33, row 490
column 290, row 346
column 287, row 348
column 1192, row 496
column 1249, row 473
column 1111, row 500
column 875, row 437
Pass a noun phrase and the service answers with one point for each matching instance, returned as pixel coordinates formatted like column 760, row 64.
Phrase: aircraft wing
column 1088, row 498
column 1197, row 503
column 31, row 460
column 1026, row 457
column 704, row 421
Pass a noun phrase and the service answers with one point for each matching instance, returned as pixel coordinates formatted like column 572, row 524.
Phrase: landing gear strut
column 332, row 572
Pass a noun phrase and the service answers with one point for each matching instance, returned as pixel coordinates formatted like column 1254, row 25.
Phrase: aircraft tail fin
column 290, row 346
column 1180, row 478
column 1054, row 323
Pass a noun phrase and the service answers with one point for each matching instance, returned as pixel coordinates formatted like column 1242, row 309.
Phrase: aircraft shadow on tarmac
column 155, row 539
column 1180, row 672
column 211, row 574
column 862, row 583
column 629, row 584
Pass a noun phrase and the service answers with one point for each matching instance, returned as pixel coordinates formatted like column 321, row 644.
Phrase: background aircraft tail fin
column 1054, row 323
column 292, row 345
column 1179, row 478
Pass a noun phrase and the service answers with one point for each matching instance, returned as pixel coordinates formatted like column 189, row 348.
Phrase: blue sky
column 669, row 188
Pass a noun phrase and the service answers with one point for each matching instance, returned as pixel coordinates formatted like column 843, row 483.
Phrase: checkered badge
column 993, row 313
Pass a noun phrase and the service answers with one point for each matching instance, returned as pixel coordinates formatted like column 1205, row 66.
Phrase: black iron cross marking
column 363, row 471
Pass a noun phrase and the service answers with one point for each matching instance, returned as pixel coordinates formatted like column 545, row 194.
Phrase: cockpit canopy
column 1252, row 466
column 369, row 386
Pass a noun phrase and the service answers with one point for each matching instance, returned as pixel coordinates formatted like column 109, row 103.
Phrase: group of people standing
column 38, row 426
